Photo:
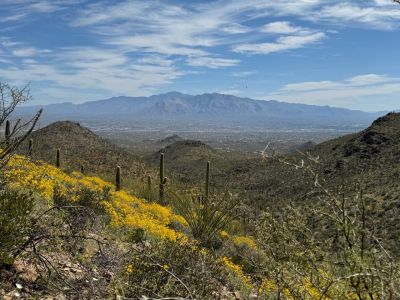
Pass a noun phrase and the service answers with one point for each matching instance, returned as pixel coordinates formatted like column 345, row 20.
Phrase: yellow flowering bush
column 124, row 209
column 244, row 241
column 236, row 270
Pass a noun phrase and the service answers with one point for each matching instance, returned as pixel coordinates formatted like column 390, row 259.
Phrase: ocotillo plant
column 163, row 180
column 8, row 133
column 58, row 164
column 30, row 147
column 118, row 179
column 207, row 186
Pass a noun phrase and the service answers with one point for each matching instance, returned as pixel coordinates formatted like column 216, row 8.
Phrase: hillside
column 205, row 110
column 368, row 160
column 90, row 243
column 186, row 158
column 71, row 235
column 80, row 146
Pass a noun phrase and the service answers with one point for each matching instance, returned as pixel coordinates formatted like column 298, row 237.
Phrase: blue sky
column 325, row 52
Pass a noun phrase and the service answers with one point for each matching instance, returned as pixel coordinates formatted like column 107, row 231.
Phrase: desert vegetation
column 69, row 229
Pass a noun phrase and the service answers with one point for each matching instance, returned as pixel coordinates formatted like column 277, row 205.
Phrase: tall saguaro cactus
column 30, row 147
column 58, row 163
column 8, row 133
column 207, row 185
column 118, row 179
column 163, row 180
column 149, row 187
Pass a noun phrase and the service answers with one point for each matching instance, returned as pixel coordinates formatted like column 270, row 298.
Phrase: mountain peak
column 391, row 119
column 68, row 128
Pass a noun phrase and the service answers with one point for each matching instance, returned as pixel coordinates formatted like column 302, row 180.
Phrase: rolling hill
column 186, row 158
column 80, row 146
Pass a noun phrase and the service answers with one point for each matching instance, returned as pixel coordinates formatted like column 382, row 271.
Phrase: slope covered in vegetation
column 69, row 234
column 79, row 146
column 128, row 221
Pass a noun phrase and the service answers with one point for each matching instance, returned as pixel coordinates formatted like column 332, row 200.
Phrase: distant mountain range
column 206, row 109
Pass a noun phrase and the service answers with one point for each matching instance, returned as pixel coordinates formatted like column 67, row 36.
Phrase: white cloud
column 211, row 62
column 369, row 79
column 13, row 17
column 282, row 44
column 236, row 28
column 361, row 92
column 29, row 52
column 19, row 10
column 283, row 27
column 356, row 81
column 309, row 86
column 243, row 74
column 374, row 15
column 85, row 68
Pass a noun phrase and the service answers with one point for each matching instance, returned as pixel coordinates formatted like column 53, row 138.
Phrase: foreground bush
column 15, row 220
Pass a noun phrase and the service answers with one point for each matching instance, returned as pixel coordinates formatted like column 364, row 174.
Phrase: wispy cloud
column 18, row 10
column 283, row 27
column 91, row 68
column 281, row 44
column 211, row 62
column 243, row 73
column 361, row 91
column 375, row 14
column 29, row 51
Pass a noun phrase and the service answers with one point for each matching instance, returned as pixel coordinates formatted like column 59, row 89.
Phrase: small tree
column 15, row 207
column 10, row 98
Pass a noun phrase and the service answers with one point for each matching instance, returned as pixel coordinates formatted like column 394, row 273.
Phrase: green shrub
column 15, row 219
column 171, row 269
column 84, row 197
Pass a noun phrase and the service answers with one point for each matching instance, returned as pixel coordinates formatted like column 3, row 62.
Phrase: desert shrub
column 171, row 269
column 93, row 198
column 15, row 218
column 83, row 196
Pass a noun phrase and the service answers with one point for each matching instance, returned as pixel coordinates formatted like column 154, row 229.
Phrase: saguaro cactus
column 207, row 185
column 8, row 133
column 82, row 169
column 118, row 179
column 149, row 187
column 163, row 180
column 58, row 164
column 30, row 147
